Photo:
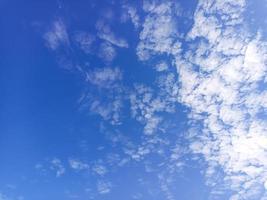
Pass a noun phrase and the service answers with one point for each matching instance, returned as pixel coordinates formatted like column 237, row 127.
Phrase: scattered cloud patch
column 159, row 33
column 162, row 66
column 108, row 97
column 78, row 165
column 230, row 67
column 99, row 169
column 107, row 51
column 105, row 33
column 84, row 41
column 57, row 35
column 57, row 166
column 104, row 187
column 105, row 77
column 130, row 12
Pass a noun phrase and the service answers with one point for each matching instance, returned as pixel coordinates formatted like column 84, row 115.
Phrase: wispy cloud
column 105, row 77
column 84, row 41
column 107, row 51
column 107, row 100
column 57, row 35
column 130, row 12
column 104, row 187
column 105, row 33
column 57, row 166
column 78, row 165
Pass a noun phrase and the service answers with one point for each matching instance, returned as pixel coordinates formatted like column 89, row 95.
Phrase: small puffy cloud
column 85, row 41
column 107, row 98
column 78, row 165
column 57, row 35
column 105, row 77
column 130, row 12
column 105, row 33
column 107, row 51
column 218, row 80
column 58, row 40
column 159, row 33
column 99, row 169
column 57, row 166
column 146, row 107
column 104, row 187
column 162, row 66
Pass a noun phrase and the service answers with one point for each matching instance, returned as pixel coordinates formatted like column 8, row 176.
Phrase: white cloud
column 99, row 169
column 159, row 33
column 85, row 41
column 57, row 35
column 131, row 12
column 107, row 97
column 105, row 77
column 144, row 107
column 57, row 166
column 105, row 33
column 148, row 105
column 107, row 51
column 219, row 77
column 104, row 187
column 78, row 165
column 162, row 66
column 233, row 137
column 58, row 40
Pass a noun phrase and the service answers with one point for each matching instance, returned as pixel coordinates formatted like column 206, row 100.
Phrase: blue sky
column 151, row 99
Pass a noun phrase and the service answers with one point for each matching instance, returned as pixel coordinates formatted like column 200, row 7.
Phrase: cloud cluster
column 105, row 33
column 222, row 80
column 57, row 35
column 78, row 165
column 85, row 41
column 104, row 187
column 104, row 95
column 159, row 33
column 130, row 12
column 220, row 77
column 57, row 166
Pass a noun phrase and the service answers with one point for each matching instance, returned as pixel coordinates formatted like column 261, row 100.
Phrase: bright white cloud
column 159, row 33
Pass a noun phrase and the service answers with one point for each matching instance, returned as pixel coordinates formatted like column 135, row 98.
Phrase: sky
column 133, row 100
